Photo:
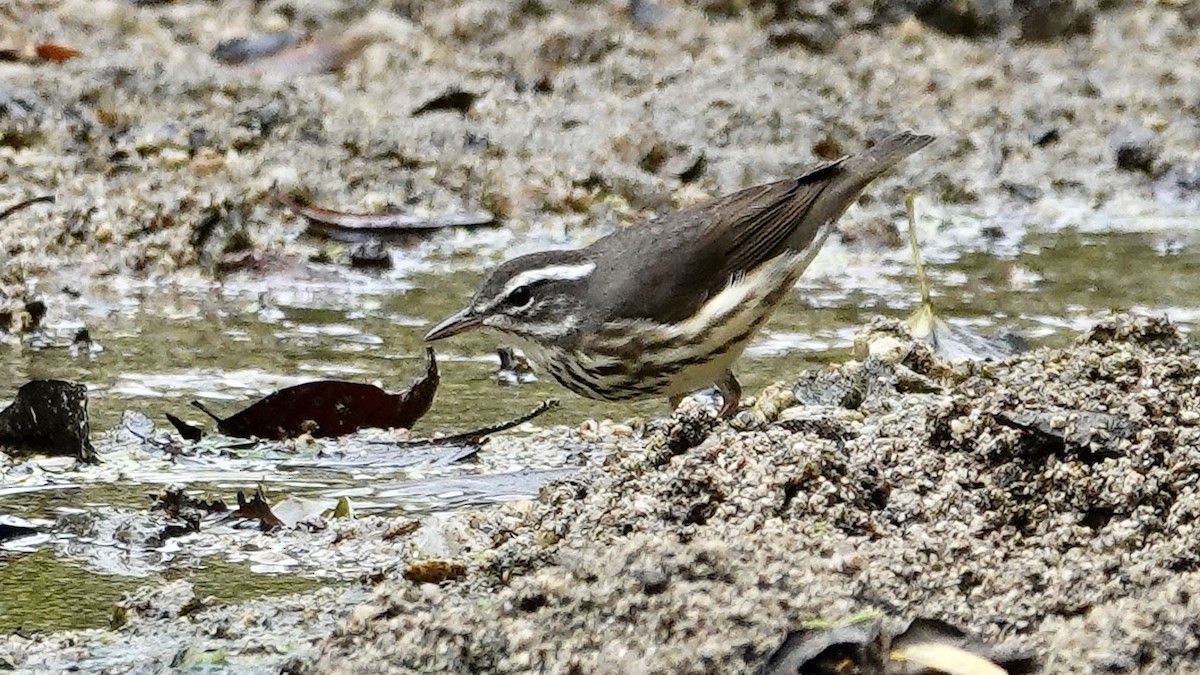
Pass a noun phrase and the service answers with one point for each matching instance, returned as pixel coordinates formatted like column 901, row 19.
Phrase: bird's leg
column 731, row 394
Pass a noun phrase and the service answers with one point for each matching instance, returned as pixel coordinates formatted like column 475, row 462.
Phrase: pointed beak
column 459, row 323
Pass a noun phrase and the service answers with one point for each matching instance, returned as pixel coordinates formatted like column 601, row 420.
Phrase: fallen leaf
column 359, row 227
column 256, row 508
column 344, row 509
column 944, row 658
column 329, row 408
column 189, row 432
column 294, row 511
column 455, row 100
column 55, row 53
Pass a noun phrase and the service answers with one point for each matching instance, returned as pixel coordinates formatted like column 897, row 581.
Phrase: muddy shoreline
column 1043, row 502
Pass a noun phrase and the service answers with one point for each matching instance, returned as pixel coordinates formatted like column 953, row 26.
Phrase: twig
column 474, row 436
column 25, row 204
column 922, row 281
column 356, row 227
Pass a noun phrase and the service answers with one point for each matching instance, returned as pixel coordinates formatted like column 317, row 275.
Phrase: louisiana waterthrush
column 666, row 307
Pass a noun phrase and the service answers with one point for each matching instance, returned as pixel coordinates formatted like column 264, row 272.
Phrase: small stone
column 1135, row 149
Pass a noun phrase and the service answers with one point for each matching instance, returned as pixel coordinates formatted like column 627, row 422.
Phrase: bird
column 665, row 307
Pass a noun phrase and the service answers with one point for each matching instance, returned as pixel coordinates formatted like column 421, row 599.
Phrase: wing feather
column 728, row 237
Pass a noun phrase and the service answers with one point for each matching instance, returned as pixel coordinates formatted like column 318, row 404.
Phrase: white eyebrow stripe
column 554, row 272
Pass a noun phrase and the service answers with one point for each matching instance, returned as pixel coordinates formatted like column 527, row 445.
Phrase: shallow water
column 230, row 344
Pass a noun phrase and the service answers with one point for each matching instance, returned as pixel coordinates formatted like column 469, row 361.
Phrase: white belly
column 640, row 358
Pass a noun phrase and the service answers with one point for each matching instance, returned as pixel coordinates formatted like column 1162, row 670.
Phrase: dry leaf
column 944, row 658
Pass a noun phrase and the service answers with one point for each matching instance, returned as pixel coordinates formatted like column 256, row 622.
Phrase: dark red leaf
column 329, row 408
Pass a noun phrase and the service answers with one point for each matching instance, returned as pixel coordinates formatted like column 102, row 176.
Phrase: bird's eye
column 519, row 298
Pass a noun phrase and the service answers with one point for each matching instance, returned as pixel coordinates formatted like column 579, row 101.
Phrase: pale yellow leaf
column 945, row 658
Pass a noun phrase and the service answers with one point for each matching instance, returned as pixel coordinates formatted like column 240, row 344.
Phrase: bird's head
column 538, row 297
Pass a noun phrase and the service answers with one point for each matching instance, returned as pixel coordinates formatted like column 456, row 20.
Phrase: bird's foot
column 727, row 387
column 731, row 394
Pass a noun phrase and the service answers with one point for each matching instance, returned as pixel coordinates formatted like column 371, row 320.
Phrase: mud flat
column 586, row 116
column 1045, row 502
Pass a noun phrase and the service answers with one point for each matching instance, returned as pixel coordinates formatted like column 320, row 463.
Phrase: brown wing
column 666, row 270
column 702, row 247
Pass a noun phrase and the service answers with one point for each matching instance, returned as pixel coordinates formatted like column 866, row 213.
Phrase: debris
column 850, row 648
column 402, row 529
column 55, row 53
column 514, row 369
column 320, row 55
column 257, row 508
column 370, row 254
column 49, row 416
column 329, row 408
column 389, row 226
column 175, row 501
column 44, row 199
column 953, row 343
column 475, row 436
column 860, row 646
column 937, row 646
column 189, row 432
column 455, row 100
column 182, row 507
column 49, row 52
column 236, row 51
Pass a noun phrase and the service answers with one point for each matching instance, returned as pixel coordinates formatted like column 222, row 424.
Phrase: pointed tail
column 842, row 181
column 869, row 165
